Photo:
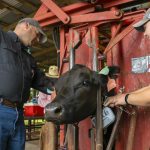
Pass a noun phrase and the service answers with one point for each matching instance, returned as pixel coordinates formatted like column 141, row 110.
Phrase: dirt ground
column 32, row 145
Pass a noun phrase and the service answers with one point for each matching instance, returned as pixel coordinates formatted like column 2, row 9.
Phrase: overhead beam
column 28, row 4
column 12, row 26
column 32, row 3
column 14, row 9
column 43, row 52
column 50, row 41
column 3, row 23
column 47, row 62
column 50, row 61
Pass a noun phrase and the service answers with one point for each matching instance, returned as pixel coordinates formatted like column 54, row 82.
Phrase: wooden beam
column 3, row 23
column 45, row 57
column 38, row 3
column 28, row 4
column 50, row 61
column 12, row 8
column 47, row 62
column 12, row 26
column 44, row 52
column 50, row 41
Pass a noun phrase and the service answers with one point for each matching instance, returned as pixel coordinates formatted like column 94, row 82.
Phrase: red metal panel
column 134, row 46
column 74, row 9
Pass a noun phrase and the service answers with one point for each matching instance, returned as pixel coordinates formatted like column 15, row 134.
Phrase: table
column 33, row 126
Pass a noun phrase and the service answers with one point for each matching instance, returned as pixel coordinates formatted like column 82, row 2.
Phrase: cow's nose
column 54, row 110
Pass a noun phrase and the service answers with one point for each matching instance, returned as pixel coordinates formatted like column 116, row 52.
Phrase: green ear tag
column 104, row 71
column 49, row 91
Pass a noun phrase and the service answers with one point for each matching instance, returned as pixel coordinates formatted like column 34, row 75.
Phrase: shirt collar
column 14, row 36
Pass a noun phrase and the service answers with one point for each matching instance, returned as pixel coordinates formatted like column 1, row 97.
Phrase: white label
column 140, row 64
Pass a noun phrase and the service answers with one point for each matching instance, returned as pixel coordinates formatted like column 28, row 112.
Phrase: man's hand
column 111, row 84
column 115, row 100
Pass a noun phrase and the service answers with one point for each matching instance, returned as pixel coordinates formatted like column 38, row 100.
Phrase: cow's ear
column 99, row 79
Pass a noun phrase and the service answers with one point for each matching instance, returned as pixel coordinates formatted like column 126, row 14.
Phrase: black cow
column 76, row 95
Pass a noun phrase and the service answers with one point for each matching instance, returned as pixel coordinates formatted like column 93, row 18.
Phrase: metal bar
column 92, row 133
column 119, row 37
column 94, row 32
column 96, row 19
column 99, row 120
column 57, row 11
column 76, row 137
column 131, row 134
column 115, row 29
column 116, row 3
column 62, row 47
column 42, row 10
column 86, row 16
column 91, row 17
column 99, row 123
column 131, row 16
column 71, row 50
column 54, row 20
column 115, row 130
column 74, row 8
column 73, row 134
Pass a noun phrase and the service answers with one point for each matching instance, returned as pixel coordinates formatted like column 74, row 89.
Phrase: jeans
column 12, row 129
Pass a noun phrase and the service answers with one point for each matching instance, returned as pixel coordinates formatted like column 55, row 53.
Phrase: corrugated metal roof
column 10, row 17
column 3, row 12
column 14, row 3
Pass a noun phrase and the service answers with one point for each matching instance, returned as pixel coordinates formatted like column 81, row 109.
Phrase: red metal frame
column 80, row 23
column 49, row 13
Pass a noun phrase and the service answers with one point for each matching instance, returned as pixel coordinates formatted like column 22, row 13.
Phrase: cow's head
column 76, row 95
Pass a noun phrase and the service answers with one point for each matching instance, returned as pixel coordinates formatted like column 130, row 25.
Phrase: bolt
column 67, row 19
column 117, row 13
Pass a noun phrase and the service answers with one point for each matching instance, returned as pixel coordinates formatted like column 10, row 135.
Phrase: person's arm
column 139, row 97
column 142, row 89
column 40, row 81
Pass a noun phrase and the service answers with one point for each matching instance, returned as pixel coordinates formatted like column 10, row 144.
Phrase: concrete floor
column 32, row 145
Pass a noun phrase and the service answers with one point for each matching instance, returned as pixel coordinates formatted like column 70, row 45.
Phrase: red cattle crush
column 110, row 32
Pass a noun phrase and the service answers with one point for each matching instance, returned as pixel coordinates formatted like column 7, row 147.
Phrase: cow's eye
column 86, row 83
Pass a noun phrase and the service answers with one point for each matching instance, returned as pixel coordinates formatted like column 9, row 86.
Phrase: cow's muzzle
column 53, row 111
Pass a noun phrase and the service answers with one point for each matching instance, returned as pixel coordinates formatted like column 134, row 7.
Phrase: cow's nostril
column 58, row 110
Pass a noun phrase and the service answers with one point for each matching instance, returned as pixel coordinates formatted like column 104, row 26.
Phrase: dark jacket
column 18, row 70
